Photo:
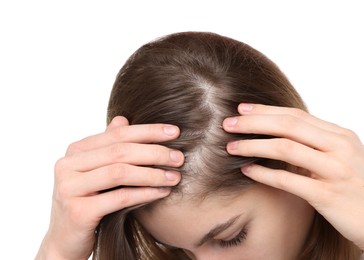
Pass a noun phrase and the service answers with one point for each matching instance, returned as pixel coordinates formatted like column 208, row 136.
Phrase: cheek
column 279, row 228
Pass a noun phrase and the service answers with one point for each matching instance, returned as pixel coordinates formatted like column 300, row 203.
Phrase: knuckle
column 350, row 134
column 60, row 166
column 118, row 150
column 284, row 146
column 299, row 113
column 154, row 131
column 160, row 154
column 119, row 133
column 351, row 150
column 74, row 148
column 342, row 170
column 123, row 196
column 282, row 181
column 289, row 122
column 152, row 128
column 117, row 172
column 148, row 193
column 156, row 177
column 346, row 144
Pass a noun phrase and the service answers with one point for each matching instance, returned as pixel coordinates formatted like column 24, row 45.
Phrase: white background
column 58, row 61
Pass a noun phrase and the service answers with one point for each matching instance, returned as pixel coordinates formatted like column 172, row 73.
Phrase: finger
column 118, row 132
column 250, row 109
column 117, row 122
column 285, row 150
column 121, row 175
column 108, row 202
column 128, row 153
column 301, row 186
column 282, row 126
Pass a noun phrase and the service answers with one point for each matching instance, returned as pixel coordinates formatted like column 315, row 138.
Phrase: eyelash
column 234, row 241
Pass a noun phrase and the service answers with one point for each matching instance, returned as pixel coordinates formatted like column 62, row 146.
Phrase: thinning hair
column 194, row 80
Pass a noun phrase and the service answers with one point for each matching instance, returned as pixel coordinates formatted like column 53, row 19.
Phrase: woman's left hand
column 332, row 158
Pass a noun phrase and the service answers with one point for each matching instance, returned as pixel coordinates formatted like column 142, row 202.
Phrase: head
column 196, row 80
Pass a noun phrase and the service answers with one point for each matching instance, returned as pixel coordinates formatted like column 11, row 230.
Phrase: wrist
column 51, row 250
column 48, row 251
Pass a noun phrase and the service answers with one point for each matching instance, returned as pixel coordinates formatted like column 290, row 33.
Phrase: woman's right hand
column 118, row 156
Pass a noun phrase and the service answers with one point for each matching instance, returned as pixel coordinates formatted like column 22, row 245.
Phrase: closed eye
column 237, row 240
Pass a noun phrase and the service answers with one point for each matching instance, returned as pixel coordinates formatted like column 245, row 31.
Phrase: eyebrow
column 217, row 230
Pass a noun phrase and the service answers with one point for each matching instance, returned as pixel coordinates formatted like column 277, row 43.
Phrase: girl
column 209, row 154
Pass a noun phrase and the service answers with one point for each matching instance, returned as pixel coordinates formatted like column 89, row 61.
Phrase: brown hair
column 195, row 80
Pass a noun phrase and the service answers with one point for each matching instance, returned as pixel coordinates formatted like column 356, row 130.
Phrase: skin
column 100, row 162
column 276, row 224
column 332, row 158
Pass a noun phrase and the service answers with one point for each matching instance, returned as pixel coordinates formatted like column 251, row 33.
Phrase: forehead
column 274, row 220
column 179, row 219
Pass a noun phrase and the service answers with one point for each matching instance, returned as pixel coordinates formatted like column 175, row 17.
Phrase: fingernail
column 246, row 107
column 231, row 121
column 246, row 168
column 170, row 130
column 233, row 145
column 176, row 156
column 171, row 176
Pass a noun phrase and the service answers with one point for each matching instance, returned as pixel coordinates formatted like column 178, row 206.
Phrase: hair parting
column 194, row 80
